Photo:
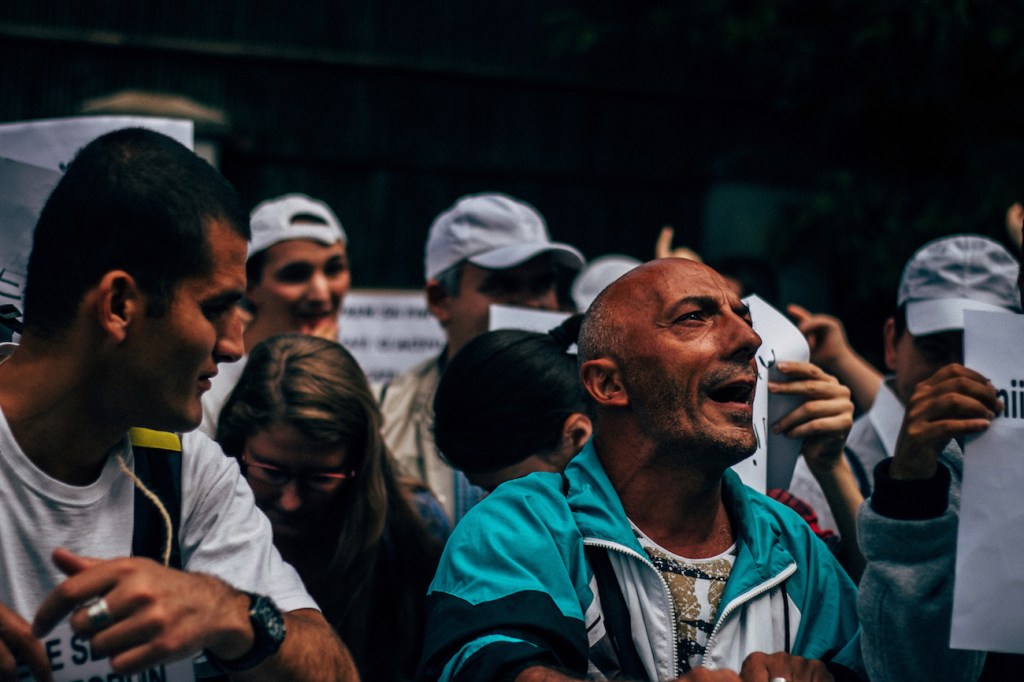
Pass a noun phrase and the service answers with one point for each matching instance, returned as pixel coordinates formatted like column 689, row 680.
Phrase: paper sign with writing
column 987, row 613
column 771, row 466
column 388, row 331
column 72, row 660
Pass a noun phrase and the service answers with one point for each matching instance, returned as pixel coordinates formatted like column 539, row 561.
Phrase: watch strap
column 268, row 630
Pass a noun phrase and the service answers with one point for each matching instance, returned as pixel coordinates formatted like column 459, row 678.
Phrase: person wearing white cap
column 942, row 279
column 908, row 528
column 297, row 274
column 486, row 248
column 599, row 273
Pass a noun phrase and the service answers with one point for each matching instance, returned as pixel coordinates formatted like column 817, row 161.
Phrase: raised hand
column 823, row 421
column 953, row 402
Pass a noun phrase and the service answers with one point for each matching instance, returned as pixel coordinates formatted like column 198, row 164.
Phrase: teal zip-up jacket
column 514, row 587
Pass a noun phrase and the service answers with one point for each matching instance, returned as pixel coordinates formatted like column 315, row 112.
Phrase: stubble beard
column 661, row 416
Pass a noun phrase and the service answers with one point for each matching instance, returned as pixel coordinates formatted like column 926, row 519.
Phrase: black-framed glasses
column 320, row 481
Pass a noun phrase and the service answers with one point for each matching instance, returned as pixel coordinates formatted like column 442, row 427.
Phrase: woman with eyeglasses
column 306, row 431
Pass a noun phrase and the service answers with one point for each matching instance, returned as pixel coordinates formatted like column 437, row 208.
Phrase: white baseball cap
column 947, row 276
column 597, row 275
column 274, row 221
column 492, row 231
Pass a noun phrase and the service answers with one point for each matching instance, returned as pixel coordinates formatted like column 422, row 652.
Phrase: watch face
column 264, row 612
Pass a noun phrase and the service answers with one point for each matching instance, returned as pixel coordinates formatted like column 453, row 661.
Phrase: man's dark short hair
column 131, row 200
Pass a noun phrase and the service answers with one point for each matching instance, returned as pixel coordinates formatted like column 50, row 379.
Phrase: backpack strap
column 158, row 465
column 617, row 622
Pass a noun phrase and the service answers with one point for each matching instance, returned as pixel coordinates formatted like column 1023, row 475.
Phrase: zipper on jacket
column 743, row 599
column 664, row 584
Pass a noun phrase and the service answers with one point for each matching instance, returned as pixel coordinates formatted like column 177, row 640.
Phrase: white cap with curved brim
column 947, row 276
column 280, row 220
column 492, row 231
column 597, row 275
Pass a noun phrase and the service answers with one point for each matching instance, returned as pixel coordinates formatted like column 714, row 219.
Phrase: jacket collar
column 600, row 516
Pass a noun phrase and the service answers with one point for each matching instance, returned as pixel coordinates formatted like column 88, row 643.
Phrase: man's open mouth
column 736, row 391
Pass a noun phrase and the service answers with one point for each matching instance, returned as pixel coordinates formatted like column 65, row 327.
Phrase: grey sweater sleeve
column 906, row 592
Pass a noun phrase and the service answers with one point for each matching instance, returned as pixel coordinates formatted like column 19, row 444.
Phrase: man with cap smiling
column 486, row 248
column 941, row 280
column 297, row 274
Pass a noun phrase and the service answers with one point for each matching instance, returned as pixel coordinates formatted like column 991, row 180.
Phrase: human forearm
column 858, row 375
column 843, row 495
column 831, row 350
column 310, row 651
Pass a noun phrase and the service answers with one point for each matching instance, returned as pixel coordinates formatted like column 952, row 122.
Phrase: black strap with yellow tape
column 157, row 457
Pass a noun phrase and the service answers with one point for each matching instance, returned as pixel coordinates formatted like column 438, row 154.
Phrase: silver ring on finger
column 98, row 613
column 778, row 679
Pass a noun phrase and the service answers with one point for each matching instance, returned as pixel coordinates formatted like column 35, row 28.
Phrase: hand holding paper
column 823, row 417
column 953, row 402
column 776, row 454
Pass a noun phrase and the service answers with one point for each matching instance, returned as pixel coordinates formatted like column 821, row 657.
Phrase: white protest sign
column 527, row 319
column 72, row 660
column 32, row 156
column 771, row 465
column 388, row 331
column 23, row 191
column 52, row 143
column 988, row 594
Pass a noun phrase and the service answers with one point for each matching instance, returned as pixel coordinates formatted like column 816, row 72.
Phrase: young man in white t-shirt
column 137, row 264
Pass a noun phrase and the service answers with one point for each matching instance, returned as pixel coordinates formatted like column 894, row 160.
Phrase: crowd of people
column 193, row 468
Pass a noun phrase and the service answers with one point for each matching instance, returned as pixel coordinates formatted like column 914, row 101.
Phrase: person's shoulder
column 197, row 443
column 517, row 536
column 421, row 369
column 763, row 515
column 406, row 383
column 534, row 501
column 203, row 457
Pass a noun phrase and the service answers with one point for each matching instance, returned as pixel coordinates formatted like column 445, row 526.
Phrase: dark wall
column 391, row 110
column 898, row 121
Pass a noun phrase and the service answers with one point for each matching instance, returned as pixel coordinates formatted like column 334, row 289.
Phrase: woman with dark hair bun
column 306, row 430
column 510, row 403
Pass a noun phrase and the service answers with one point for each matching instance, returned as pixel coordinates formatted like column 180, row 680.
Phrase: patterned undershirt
column 696, row 586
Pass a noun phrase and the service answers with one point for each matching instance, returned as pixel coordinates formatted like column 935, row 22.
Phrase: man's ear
column 117, row 302
column 890, row 341
column 602, row 380
column 438, row 300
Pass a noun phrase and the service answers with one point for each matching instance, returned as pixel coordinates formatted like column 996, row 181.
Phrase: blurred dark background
column 831, row 138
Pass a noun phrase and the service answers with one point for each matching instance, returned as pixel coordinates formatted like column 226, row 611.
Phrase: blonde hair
column 317, row 387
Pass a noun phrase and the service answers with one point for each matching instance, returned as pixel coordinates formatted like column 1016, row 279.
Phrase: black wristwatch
column 268, row 632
